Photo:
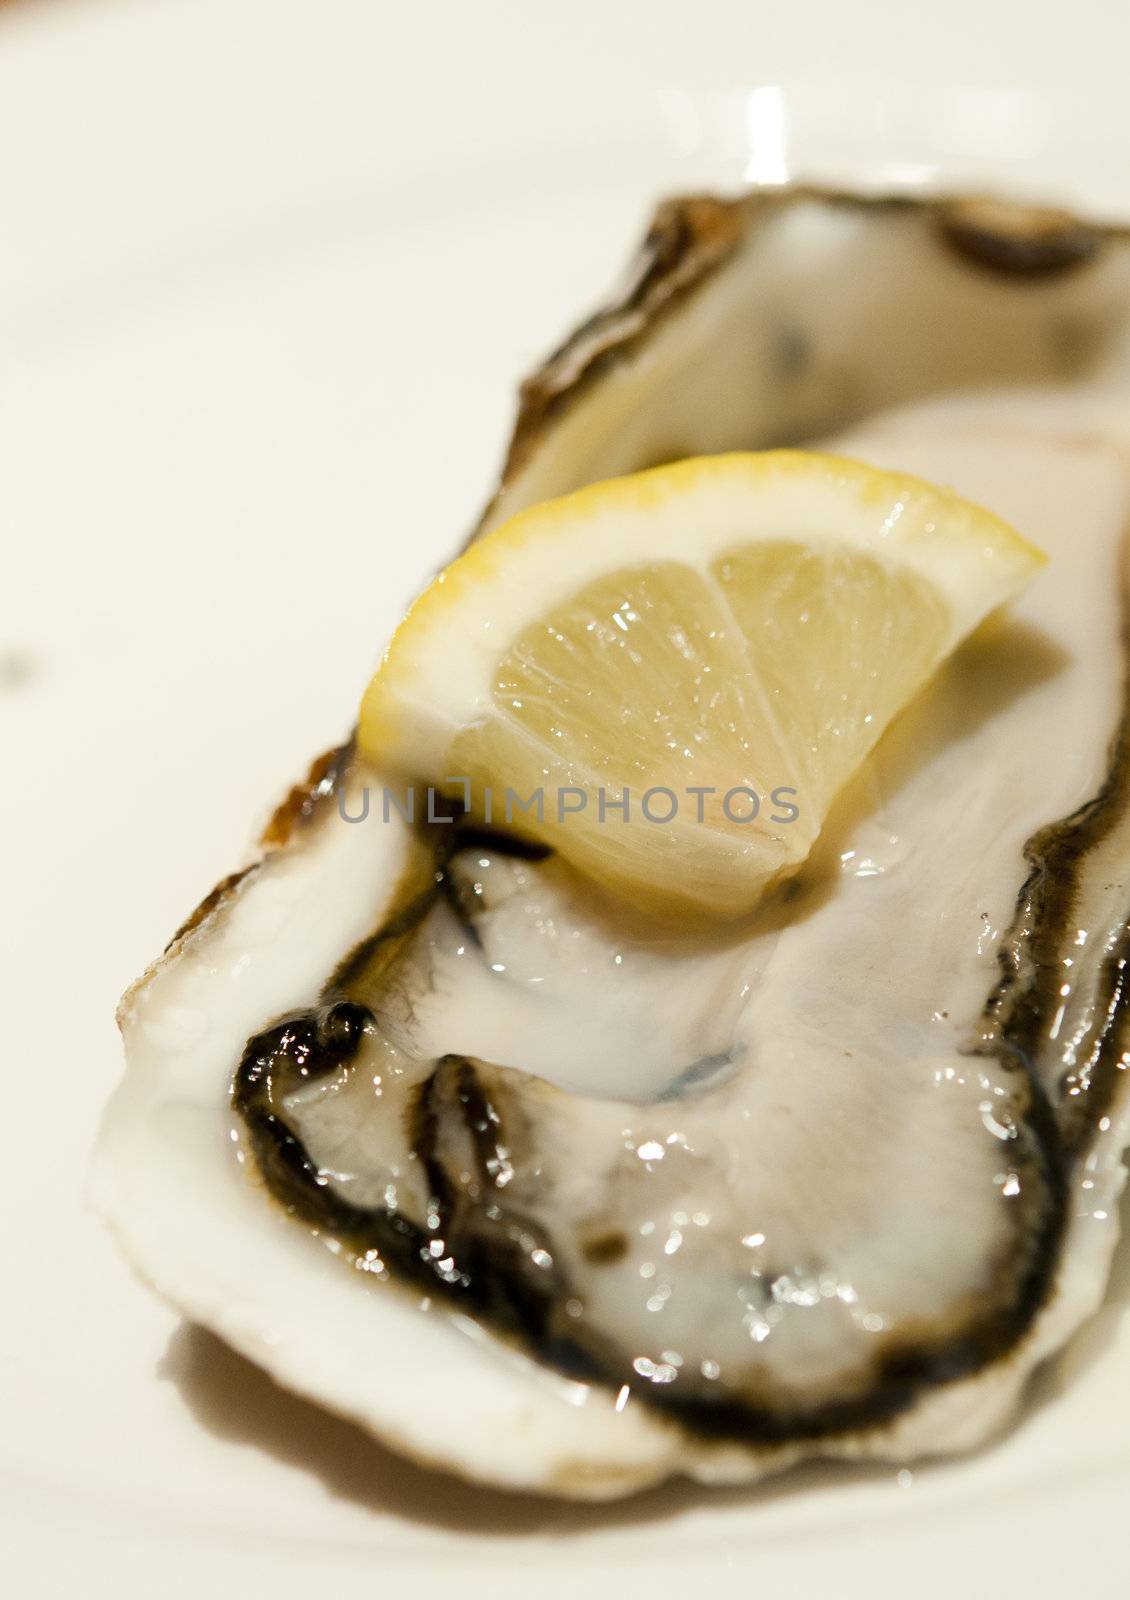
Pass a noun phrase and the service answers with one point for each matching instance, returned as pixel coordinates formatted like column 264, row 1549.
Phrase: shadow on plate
column 235, row 1400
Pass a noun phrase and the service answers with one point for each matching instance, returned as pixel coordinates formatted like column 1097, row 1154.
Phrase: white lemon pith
column 668, row 677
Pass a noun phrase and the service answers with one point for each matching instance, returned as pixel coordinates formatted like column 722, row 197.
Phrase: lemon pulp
column 668, row 678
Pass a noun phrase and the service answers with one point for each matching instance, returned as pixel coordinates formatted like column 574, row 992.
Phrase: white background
column 268, row 273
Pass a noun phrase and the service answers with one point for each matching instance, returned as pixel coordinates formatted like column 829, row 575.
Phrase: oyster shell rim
column 673, row 267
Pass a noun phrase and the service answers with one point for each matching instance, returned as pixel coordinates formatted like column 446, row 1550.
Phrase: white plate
column 269, row 272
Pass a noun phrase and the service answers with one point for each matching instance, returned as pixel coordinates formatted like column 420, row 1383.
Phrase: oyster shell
column 573, row 1206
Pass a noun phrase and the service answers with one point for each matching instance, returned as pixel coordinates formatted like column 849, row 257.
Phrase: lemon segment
column 686, row 665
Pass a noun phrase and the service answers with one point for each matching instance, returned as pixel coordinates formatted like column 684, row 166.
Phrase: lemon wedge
column 668, row 677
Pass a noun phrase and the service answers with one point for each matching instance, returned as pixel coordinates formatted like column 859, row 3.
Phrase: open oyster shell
column 556, row 1203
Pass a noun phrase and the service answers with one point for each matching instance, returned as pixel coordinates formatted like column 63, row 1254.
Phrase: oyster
column 558, row 1201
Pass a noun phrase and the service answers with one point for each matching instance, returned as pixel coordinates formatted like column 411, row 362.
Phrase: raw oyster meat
column 559, row 1201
